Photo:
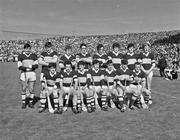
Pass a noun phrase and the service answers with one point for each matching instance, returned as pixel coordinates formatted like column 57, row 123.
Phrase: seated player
column 67, row 57
column 51, row 84
column 69, row 87
column 100, row 56
column 83, row 90
column 172, row 74
column 27, row 64
column 115, row 55
column 139, row 82
column 96, row 76
column 110, row 88
column 124, row 78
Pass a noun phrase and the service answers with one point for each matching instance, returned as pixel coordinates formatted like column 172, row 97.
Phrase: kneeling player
column 96, row 76
column 27, row 63
column 51, row 85
column 68, row 80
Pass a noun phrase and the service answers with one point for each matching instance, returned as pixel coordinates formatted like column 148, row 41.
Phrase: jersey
column 96, row 77
column 68, row 77
column 47, row 56
column 101, row 58
column 147, row 60
column 124, row 74
column 116, row 58
column 86, row 55
column 140, row 74
column 26, row 60
column 110, row 75
column 132, row 59
column 66, row 58
column 51, row 79
column 82, row 77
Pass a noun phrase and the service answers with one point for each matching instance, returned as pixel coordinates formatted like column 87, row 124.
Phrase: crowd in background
column 9, row 49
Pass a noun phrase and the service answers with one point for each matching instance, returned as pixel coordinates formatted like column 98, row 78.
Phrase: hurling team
column 86, row 82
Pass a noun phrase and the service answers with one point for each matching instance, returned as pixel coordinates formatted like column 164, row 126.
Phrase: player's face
column 52, row 70
column 81, row 67
column 137, row 67
column 27, row 50
column 131, row 49
column 68, row 68
column 68, row 51
column 96, row 66
column 110, row 66
column 101, row 50
column 146, row 49
column 116, row 49
column 83, row 49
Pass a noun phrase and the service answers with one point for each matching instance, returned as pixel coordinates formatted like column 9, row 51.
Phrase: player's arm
column 75, row 79
column 54, row 59
column 19, row 64
column 89, row 77
column 42, row 62
column 35, row 65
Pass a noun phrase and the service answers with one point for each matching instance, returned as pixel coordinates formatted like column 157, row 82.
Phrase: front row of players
column 94, row 88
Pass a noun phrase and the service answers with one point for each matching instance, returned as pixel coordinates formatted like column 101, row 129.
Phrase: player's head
column 68, row 49
column 81, row 65
column 96, row 64
column 83, row 48
column 130, row 47
column 27, row 48
column 124, row 63
column 146, row 47
column 100, row 48
column 109, row 64
column 48, row 46
column 137, row 66
column 52, row 67
column 116, row 47
column 68, row 66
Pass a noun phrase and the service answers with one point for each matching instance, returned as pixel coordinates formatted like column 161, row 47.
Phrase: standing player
column 46, row 57
column 27, row 64
column 84, row 56
column 130, row 56
column 148, row 64
column 51, row 85
column 67, row 57
column 69, row 87
column 96, row 76
column 100, row 55
column 115, row 55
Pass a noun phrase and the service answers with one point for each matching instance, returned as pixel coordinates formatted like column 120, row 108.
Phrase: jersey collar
column 81, row 72
column 146, row 54
column 27, row 54
column 52, row 74
column 67, row 56
column 137, row 73
column 109, row 71
column 124, row 69
column 95, row 70
column 116, row 53
column 84, row 54
column 131, row 54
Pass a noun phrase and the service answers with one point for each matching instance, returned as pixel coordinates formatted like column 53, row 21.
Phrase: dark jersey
column 132, row 59
column 82, row 77
column 87, row 55
column 47, row 56
column 101, row 58
column 68, row 77
column 116, row 58
column 110, row 75
column 147, row 60
column 51, row 79
column 140, row 74
column 66, row 58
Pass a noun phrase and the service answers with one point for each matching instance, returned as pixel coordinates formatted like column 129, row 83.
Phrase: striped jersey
column 47, row 56
column 116, row 58
column 82, row 77
column 66, row 57
column 110, row 76
column 51, row 79
column 140, row 74
column 132, row 58
column 147, row 60
column 68, row 77
column 101, row 58
column 86, row 55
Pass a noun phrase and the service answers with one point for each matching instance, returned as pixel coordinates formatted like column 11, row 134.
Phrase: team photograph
column 89, row 70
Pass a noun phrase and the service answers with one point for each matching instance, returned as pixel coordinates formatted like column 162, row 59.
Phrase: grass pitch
column 161, row 122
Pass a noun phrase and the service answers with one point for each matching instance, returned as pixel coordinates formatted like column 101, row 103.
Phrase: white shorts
column 28, row 76
column 97, row 89
column 68, row 90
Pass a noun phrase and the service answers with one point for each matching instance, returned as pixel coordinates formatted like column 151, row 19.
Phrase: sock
column 103, row 100
column 42, row 101
column 121, row 100
column 31, row 97
column 79, row 103
column 88, row 100
column 23, row 97
column 133, row 99
column 56, row 103
column 92, row 101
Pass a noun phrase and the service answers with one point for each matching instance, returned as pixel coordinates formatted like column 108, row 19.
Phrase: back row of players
column 92, row 82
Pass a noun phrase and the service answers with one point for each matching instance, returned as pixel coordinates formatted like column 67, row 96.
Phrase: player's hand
column 55, row 87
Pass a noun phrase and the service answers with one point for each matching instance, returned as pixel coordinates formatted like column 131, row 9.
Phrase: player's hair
column 48, row 45
column 83, row 44
column 67, row 63
column 115, row 45
column 99, row 46
column 52, row 65
column 27, row 45
column 68, row 47
column 95, row 61
column 81, row 63
column 130, row 45
column 109, row 62
column 124, row 62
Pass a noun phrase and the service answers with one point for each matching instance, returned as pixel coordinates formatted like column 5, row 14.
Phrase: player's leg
column 31, row 90
column 89, row 94
column 92, row 98
column 74, row 94
column 113, row 93
column 42, row 104
column 149, row 82
column 56, row 101
column 79, row 100
column 97, row 94
column 121, row 104
column 61, row 101
column 104, row 93
column 23, row 94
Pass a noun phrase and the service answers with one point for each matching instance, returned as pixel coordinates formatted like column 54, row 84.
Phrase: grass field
column 162, row 122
